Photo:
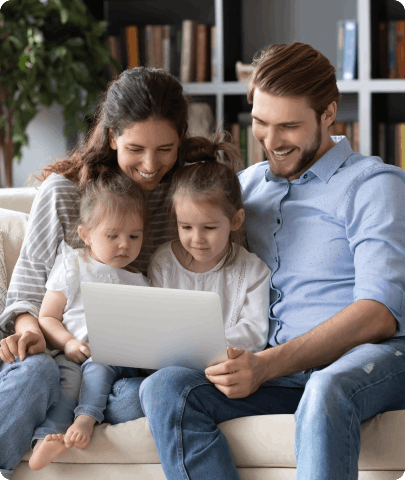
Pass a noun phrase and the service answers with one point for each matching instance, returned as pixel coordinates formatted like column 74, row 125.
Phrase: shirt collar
column 328, row 164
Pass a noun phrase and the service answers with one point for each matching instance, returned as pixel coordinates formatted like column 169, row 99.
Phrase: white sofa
column 262, row 446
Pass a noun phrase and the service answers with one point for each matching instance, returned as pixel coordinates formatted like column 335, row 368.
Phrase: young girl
column 111, row 226
column 205, row 201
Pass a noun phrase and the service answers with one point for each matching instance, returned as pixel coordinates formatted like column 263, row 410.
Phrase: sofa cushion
column 18, row 199
column 3, row 277
column 260, row 441
column 12, row 228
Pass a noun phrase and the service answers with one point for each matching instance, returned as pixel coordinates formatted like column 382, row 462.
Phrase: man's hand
column 21, row 344
column 239, row 376
column 77, row 351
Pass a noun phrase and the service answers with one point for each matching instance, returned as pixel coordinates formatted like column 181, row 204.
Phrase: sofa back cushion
column 12, row 229
column 18, row 199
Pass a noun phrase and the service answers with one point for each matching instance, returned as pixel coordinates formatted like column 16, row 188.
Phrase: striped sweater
column 55, row 208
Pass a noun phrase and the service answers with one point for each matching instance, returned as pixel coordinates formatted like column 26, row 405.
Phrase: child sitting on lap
column 112, row 222
column 205, row 201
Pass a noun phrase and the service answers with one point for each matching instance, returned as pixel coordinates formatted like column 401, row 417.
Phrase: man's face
column 292, row 136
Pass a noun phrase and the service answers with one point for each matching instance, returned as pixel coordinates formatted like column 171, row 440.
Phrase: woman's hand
column 21, row 344
column 239, row 376
column 77, row 351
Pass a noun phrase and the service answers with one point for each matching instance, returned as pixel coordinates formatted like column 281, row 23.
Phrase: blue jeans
column 59, row 417
column 183, row 409
column 96, row 387
column 27, row 390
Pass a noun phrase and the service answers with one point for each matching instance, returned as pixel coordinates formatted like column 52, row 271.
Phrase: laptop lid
column 149, row 327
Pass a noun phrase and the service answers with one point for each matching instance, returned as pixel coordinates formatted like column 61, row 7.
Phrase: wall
column 47, row 142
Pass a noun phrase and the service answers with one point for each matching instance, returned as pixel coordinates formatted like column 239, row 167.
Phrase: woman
column 139, row 126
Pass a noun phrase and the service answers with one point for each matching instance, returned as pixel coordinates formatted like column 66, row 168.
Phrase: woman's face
column 146, row 151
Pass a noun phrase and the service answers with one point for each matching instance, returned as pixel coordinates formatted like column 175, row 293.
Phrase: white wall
column 47, row 142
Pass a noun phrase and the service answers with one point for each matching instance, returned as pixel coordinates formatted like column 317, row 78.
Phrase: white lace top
column 72, row 267
column 243, row 288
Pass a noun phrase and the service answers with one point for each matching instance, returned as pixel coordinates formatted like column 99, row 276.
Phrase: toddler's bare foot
column 78, row 434
column 47, row 450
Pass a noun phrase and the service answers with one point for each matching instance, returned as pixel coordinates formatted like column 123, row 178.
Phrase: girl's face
column 204, row 229
column 146, row 151
column 115, row 241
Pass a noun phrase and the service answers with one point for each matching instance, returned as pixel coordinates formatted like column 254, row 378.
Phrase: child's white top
column 72, row 267
column 243, row 287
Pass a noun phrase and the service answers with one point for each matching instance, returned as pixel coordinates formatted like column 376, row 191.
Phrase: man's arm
column 364, row 321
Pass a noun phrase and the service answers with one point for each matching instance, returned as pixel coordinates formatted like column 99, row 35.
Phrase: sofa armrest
column 18, row 199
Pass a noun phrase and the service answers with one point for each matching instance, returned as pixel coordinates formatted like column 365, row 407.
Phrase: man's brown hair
column 295, row 70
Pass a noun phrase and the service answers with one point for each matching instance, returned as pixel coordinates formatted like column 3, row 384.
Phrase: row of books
column 391, row 143
column 346, row 50
column 349, row 129
column 392, row 49
column 187, row 51
column 242, row 137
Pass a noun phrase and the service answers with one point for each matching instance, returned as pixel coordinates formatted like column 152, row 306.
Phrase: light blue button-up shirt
column 334, row 236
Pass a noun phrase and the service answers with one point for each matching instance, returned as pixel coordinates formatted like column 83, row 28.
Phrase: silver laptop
column 149, row 327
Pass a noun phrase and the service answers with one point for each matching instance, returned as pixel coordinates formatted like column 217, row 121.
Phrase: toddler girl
column 205, row 201
column 111, row 227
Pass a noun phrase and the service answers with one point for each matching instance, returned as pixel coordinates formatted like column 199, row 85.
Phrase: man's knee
column 169, row 383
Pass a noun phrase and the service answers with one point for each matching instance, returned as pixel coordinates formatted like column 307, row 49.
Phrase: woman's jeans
column 38, row 397
column 184, row 408
column 27, row 390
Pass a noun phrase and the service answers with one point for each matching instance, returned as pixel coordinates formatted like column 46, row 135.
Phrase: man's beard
column 305, row 159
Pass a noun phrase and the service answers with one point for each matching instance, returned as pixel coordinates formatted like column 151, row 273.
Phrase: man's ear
column 113, row 143
column 83, row 234
column 238, row 219
column 329, row 114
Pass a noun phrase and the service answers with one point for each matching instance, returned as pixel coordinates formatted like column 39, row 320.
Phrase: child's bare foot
column 47, row 450
column 78, row 435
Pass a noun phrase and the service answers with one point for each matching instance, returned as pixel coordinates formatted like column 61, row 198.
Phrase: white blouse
column 72, row 267
column 243, row 287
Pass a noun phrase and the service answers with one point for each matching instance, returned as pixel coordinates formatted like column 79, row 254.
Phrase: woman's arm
column 55, row 207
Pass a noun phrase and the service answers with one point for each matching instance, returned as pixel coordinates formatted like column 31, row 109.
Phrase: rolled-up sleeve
column 374, row 212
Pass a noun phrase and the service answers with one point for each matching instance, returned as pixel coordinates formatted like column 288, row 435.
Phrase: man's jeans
column 96, row 387
column 27, row 390
column 183, row 408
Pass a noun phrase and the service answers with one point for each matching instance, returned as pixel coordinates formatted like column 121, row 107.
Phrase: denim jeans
column 27, row 390
column 59, row 417
column 97, row 385
column 183, row 409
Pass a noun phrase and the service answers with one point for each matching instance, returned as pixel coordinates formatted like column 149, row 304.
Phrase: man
column 330, row 224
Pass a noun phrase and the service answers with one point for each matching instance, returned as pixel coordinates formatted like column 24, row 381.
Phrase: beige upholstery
column 262, row 446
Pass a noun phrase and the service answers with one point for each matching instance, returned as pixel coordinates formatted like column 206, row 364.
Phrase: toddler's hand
column 77, row 351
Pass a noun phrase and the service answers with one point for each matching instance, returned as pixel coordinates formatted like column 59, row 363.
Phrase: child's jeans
column 59, row 417
column 96, row 387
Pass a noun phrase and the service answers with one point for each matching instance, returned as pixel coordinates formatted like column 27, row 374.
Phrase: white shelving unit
column 364, row 87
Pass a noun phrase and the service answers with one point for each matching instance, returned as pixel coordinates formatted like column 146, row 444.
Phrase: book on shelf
column 400, row 49
column 242, row 137
column 157, row 46
column 391, row 143
column 166, row 47
column 392, row 49
column 340, row 46
column 131, row 35
column 350, row 50
column 213, row 53
column 349, row 129
column 188, row 51
column 115, row 49
column 203, row 60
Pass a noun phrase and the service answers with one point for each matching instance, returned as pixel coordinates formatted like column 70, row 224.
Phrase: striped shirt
column 55, row 208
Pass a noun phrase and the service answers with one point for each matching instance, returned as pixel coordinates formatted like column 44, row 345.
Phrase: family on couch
column 326, row 222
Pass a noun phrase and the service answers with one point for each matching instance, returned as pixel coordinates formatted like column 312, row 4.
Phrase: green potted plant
column 50, row 51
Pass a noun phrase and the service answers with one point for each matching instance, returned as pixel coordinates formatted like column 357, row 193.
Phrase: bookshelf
column 362, row 98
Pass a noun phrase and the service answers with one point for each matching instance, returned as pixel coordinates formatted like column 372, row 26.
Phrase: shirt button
column 305, row 176
column 278, row 220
